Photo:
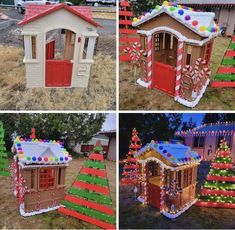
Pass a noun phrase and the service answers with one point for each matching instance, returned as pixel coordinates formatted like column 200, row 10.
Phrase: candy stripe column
column 179, row 67
column 149, row 61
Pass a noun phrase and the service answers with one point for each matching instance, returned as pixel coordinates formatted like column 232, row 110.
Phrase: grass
column 9, row 209
column 100, row 94
column 141, row 98
column 135, row 215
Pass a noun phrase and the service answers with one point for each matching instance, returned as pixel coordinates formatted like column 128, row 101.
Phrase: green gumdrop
column 56, row 159
column 157, row 7
column 208, row 29
column 28, row 158
column 172, row 8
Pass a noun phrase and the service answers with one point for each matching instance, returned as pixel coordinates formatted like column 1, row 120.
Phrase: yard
column 135, row 215
column 101, row 91
column 9, row 210
column 141, row 98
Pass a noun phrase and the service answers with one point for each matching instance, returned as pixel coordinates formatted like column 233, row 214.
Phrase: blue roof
column 220, row 128
column 175, row 153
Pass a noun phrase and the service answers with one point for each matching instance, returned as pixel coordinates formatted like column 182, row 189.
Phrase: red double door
column 58, row 72
column 154, row 195
column 164, row 77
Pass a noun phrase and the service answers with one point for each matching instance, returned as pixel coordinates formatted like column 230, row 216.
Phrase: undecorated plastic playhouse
column 168, row 176
column 59, row 42
column 38, row 172
column 178, row 43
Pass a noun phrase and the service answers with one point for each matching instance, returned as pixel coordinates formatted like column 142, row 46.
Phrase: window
column 188, row 59
column 59, row 176
column 30, row 46
column 198, row 142
column 187, row 177
column 46, row 178
column 33, row 43
column 156, row 42
column 143, row 42
column 84, row 55
column 152, row 168
column 88, row 48
column 227, row 138
column 208, row 49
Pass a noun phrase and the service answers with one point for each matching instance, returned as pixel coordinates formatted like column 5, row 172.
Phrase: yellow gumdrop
column 202, row 28
column 135, row 19
column 165, row 3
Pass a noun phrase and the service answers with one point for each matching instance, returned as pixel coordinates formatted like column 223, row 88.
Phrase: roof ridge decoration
column 163, row 147
column 201, row 23
column 219, row 123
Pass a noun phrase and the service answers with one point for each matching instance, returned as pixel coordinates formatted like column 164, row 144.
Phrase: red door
column 58, row 73
column 50, row 50
column 154, row 195
column 164, row 77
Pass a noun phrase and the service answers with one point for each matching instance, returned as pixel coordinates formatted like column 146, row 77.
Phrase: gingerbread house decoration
column 178, row 42
column 168, row 176
column 59, row 42
column 38, row 172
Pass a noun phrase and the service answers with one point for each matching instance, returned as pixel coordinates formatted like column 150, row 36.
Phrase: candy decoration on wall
column 89, row 197
column 172, row 190
column 219, row 187
column 136, row 53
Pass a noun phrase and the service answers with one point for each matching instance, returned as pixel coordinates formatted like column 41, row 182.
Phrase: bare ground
column 14, row 95
column 132, row 214
column 10, row 217
column 135, row 97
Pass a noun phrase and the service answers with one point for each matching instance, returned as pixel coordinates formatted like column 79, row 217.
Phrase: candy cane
column 179, row 66
column 149, row 61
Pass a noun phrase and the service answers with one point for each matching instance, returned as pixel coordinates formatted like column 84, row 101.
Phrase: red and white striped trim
column 179, row 67
column 149, row 61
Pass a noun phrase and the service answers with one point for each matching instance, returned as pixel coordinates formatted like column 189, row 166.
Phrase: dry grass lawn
column 14, row 95
column 135, row 97
column 9, row 213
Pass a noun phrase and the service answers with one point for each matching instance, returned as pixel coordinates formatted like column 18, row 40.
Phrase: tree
column 66, row 127
column 188, row 125
column 211, row 118
column 227, row 117
column 130, row 174
column 91, row 184
column 218, row 190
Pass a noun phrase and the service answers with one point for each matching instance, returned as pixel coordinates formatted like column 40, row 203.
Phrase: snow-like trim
column 23, row 213
column 42, row 165
column 192, row 104
column 177, row 34
column 166, row 9
column 143, row 83
column 172, row 216
column 140, row 199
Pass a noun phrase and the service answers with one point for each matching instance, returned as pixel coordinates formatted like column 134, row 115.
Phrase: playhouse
column 59, row 42
column 38, row 173
column 178, row 42
column 205, row 139
column 168, row 176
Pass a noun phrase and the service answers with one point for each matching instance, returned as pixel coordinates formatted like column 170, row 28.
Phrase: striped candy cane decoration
column 149, row 61
column 179, row 66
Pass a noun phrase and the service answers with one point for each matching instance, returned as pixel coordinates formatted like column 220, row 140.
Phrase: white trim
column 140, row 199
column 176, row 168
column 172, row 216
column 90, row 34
column 30, row 33
column 178, row 34
column 30, row 61
column 42, row 165
column 143, row 83
column 192, row 104
column 23, row 213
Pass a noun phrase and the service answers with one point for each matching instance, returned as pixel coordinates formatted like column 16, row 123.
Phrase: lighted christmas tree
column 219, row 188
column 3, row 155
column 89, row 197
column 130, row 173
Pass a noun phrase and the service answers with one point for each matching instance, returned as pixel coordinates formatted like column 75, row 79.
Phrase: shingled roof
column 220, row 128
column 34, row 12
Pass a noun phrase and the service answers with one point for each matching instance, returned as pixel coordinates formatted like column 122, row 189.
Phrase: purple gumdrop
column 187, row 17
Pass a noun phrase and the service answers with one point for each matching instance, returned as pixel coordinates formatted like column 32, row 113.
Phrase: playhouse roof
column 34, row 12
column 202, row 23
column 215, row 129
column 207, row 2
column 34, row 151
column 174, row 152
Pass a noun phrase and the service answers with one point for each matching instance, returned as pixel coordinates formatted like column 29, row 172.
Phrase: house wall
column 35, row 69
column 37, row 198
column 227, row 18
column 112, row 149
